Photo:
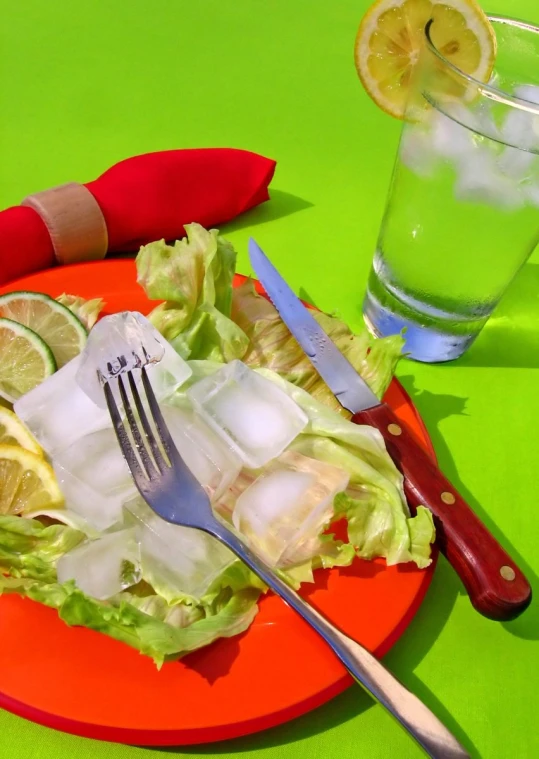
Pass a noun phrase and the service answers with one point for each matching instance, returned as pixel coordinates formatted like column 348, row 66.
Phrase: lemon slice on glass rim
column 392, row 34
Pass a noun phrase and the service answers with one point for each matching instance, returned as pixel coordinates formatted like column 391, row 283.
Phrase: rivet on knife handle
column 496, row 586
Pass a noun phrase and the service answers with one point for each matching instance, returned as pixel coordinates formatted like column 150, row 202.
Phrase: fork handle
column 412, row 714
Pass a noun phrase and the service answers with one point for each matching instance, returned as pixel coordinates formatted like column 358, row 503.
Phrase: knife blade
column 496, row 586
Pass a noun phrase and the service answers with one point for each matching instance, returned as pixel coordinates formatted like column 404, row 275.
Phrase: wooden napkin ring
column 75, row 222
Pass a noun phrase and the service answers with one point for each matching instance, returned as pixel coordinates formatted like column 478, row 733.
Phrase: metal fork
column 171, row 490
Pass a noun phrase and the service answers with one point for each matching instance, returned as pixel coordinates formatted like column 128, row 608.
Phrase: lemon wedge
column 391, row 36
column 13, row 432
column 27, row 482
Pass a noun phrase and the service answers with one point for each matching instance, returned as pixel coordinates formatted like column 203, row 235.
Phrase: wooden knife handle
column 496, row 586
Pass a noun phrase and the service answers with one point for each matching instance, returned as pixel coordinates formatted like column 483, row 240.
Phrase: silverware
column 496, row 586
column 167, row 485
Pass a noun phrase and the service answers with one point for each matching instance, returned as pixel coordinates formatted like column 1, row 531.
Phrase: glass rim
column 489, row 90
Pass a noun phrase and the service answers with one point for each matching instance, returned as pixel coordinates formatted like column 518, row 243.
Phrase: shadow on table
column 402, row 660
column 433, row 408
column 420, row 636
column 511, row 336
column 279, row 205
column 305, row 297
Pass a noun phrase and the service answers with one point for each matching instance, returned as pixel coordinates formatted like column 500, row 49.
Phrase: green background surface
column 85, row 84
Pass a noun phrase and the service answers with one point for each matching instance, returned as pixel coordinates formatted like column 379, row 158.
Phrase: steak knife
column 496, row 586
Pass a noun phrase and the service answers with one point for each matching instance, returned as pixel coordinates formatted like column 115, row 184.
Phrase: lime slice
column 391, row 35
column 13, row 432
column 25, row 360
column 27, row 482
column 63, row 332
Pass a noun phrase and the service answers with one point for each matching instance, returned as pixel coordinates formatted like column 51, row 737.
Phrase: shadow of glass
column 433, row 408
column 510, row 337
column 279, row 205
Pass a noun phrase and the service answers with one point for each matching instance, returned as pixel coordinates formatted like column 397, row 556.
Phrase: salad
column 75, row 535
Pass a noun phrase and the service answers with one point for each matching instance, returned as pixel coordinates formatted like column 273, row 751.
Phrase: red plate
column 82, row 682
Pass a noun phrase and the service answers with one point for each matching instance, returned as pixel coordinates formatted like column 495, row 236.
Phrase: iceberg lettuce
column 85, row 310
column 194, row 278
column 209, row 323
column 272, row 346
column 145, row 623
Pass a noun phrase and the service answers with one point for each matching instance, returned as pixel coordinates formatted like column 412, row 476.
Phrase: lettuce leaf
column 205, row 318
column 379, row 521
column 69, row 518
column 209, row 323
column 422, row 536
column 29, row 548
column 272, row 346
column 320, row 552
column 162, row 635
column 374, row 504
column 194, row 278
column 146, row 621
column 85, row 310
column 376, row 528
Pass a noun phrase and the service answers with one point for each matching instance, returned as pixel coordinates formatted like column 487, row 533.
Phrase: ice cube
column 100, row 511
column 288, row 503
column 96, row 459
column 520, row 129
column 450, row 139
column 516, row 163
column 181, row 560
column 532, row 193
column 214, row 465
column 57, row 412
column 480, row 181
column 253, row 415
column 416, row 151
column 484, row 121
column 529, row 92
column 126, row 341
column 169, row 374
column 119, row 342
column 103, row 567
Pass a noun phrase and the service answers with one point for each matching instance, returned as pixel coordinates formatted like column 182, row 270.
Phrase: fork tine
column 160, row 424
column 145, row 457
column 150, row 437
column 123, row 438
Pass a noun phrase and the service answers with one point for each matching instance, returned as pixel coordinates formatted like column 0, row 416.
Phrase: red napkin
column 145, row 198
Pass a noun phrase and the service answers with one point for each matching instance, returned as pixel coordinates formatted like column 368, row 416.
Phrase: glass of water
column 462, row 214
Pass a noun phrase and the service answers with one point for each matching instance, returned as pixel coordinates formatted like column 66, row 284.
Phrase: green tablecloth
column 86, row 84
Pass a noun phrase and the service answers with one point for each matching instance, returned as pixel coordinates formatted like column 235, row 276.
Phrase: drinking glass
column 462, row 215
